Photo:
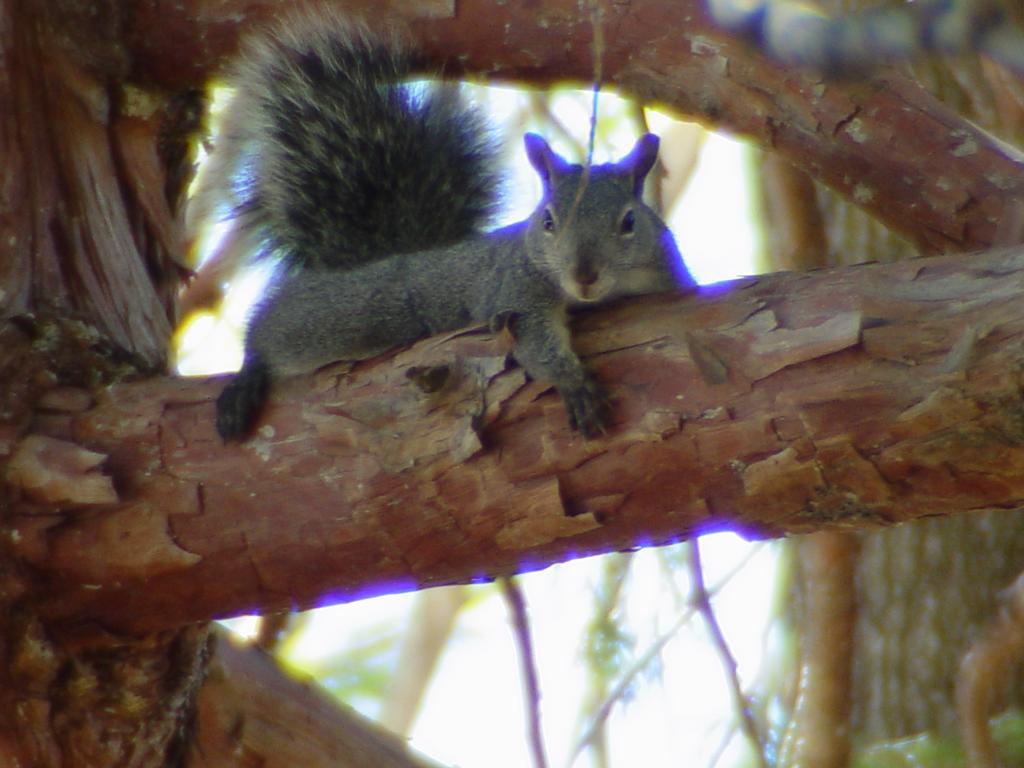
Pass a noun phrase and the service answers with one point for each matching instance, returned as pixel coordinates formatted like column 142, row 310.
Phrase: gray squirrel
column 376, row 195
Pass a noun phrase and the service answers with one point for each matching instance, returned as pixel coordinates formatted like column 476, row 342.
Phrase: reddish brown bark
column 112, row 703
column 789, row 403
column 887, row 144
column 85, row 229
column 92, row 170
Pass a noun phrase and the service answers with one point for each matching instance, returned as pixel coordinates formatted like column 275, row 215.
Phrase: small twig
column 702, row 601
column 624, row 682
column 598, row 53
column 540, row 105
column 641, row 663
column 521, row 627
column 723, row 745
column 597, row 24
column 603, row 631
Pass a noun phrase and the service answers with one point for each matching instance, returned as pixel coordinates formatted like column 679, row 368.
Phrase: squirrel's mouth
column 586, row 293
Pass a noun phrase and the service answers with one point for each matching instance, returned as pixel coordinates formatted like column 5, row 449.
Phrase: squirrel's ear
column 640, row 160
column 542, row 158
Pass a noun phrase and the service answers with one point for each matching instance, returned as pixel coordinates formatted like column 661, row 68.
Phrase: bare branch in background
column 818, row 733
column 702, row 601
column 531, row 687
column 641, row 663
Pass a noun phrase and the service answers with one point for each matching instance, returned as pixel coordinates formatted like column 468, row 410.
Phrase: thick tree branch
column 790, row 403
column 886, row 144
column 251, row 713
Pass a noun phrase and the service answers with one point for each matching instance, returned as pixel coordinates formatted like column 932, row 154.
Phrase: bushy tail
column 326, row 158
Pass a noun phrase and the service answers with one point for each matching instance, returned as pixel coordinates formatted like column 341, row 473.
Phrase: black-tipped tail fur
column 335, row 160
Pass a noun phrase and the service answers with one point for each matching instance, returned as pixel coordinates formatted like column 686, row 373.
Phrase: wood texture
column 84, row 226
column 250, row 713
column 839, row 399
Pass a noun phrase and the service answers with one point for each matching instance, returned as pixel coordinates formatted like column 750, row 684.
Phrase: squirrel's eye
column 628, row 222
column 549, row 221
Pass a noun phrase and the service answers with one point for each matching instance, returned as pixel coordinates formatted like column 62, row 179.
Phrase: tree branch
column 841, row 399
column 249, row 712
column 886, row 143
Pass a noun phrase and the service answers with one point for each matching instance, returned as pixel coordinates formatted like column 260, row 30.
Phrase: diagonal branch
column 744, row 711
column 841, row 399
column 250, row 712
column 520, row 620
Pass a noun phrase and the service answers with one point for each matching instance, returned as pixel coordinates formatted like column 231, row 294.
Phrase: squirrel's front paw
column 241, row 402
column 587, row 406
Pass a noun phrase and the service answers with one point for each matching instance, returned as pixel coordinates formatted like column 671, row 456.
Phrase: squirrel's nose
column 585, row 274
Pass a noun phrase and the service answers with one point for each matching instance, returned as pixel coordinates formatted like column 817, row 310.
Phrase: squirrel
column 376, row 195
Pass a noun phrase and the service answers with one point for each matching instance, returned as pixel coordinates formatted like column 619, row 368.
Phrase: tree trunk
column 87, row 281
column 927, row 592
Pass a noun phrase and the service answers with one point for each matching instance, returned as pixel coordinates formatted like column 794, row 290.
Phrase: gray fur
column 590, row 240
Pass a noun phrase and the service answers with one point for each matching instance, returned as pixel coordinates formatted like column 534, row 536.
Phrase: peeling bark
column 80, row 163
column 843, row 399
column 92, row 170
